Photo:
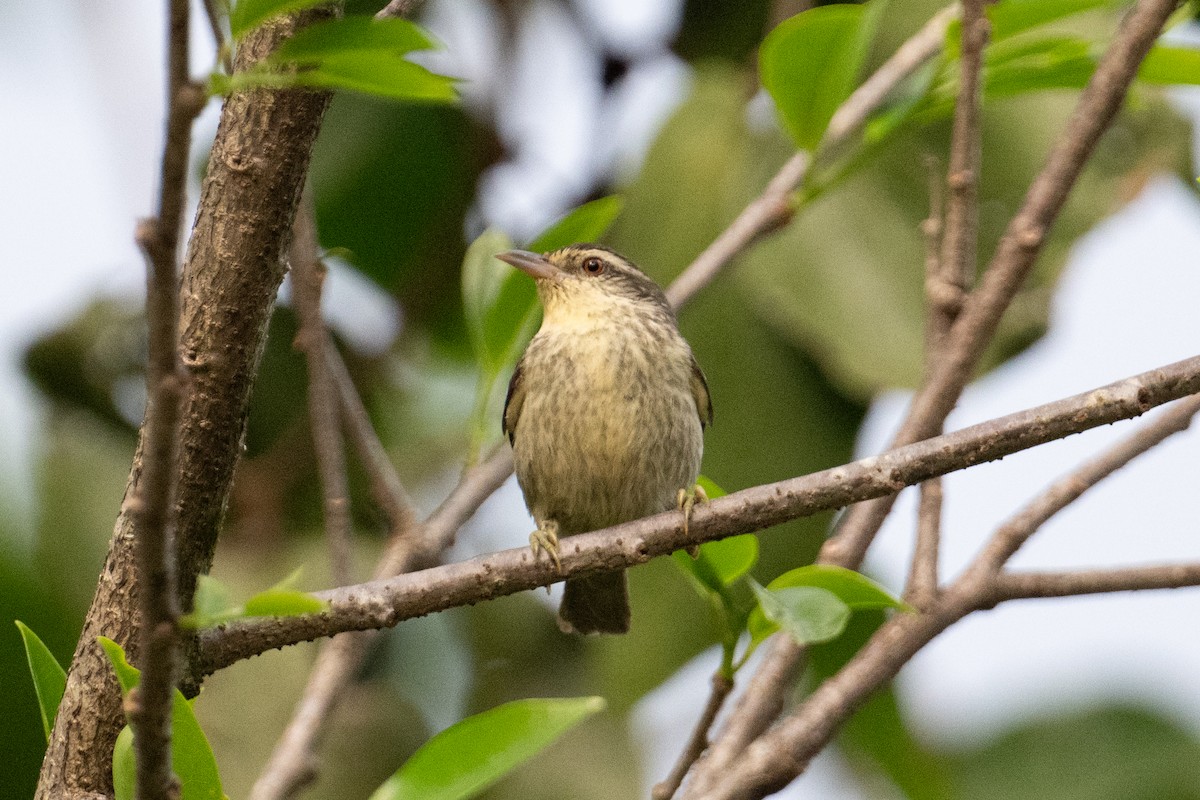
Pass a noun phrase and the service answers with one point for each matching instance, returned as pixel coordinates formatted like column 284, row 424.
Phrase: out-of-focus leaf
column 1171, row 65
column 1107, row 753
column 379, row 74
column 587, row 223
column 469, row 756
column 809, row 64
column 211, row 600
column 191, row 755
column 351, row 34
column 431, row 664
column 124, row 766
column 482, row 278
column 1059, row 62
column 1014, row 16
column 808, row 614
column 248, row 14
column 49, row 678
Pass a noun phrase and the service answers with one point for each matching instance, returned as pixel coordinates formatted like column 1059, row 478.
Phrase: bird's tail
column 595, row 604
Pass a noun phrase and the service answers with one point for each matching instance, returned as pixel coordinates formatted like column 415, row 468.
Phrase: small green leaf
column 1171, row 65
column 283, row 603
column 587, row 223
column 49, row 678
column 380, row 74
column 349, row 35
column 809, row 64
column 852, row 588
column 124, row 766
column 127, row 674
column 808, row 614
column 282, row 600
column 211, row 600
column 471, row 755
column 249, row 14
column 191, row 755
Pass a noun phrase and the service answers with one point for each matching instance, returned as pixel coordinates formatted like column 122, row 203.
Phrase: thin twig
column 939, row 315
column 397, row 8
column 773, row 208
column 386, row 487
column 153, row 503
column 308, row 274
column 721, row 687
column 224, row 51
column 776, row 758
column 387, row 602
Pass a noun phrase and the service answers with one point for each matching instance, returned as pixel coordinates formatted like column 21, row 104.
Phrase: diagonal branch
column 773, row 208
column 775, row 759
column 385, row 603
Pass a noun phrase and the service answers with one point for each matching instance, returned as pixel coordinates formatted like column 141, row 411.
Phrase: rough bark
column 233, row 268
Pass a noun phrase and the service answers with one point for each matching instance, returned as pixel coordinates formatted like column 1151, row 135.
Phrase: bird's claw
column 546, row 538
column 686, row 500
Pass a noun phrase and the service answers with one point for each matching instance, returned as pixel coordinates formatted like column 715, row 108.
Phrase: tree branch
column 721, row 687
column 308, row 275
column 387, row 602
column 231, row 273
column 775, row 759
column 152, row 503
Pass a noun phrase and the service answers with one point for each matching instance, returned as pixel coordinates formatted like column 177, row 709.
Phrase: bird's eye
column 593, row 266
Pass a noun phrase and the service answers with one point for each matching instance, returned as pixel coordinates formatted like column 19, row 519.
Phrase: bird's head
column 589, row 282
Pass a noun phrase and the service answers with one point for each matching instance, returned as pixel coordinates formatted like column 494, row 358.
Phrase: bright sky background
column 79, row 164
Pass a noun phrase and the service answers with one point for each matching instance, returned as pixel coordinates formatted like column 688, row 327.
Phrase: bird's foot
column 546, row 538
column 685, row 501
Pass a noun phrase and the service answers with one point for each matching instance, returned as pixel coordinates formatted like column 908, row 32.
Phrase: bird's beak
column 531, row 263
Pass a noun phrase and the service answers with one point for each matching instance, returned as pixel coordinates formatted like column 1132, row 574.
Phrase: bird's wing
column 699, row 394
column 513, row 403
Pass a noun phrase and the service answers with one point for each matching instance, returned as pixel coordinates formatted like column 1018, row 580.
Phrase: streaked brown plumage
column 605, row 413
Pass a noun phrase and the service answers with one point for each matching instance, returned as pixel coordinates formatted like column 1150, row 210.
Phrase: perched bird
column 605, row 414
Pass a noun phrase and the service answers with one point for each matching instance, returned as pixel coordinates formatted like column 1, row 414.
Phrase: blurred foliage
column 795, row 341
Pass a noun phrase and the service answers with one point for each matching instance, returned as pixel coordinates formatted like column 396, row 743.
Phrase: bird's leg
column 546, row 538
column 685, row 501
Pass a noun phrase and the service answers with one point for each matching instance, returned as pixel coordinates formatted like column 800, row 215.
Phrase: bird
column 605, row 414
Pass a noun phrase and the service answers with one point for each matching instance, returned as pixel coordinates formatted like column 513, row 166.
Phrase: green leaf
column 483, row 276
column 283, row 603
column 809, row 64
column 1054, row 62
column 248, row 14
column 127, row 674
column 191, row 755
column 49, row 678
column 1014, row 16
column 282, row 600
column 378, row 73
column 349, row 35
column 807, row 613
column 852, row 588
column 587, row 223
column 1171, row 65
column 124, row 766
column 211, row 600
column 473, row 754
